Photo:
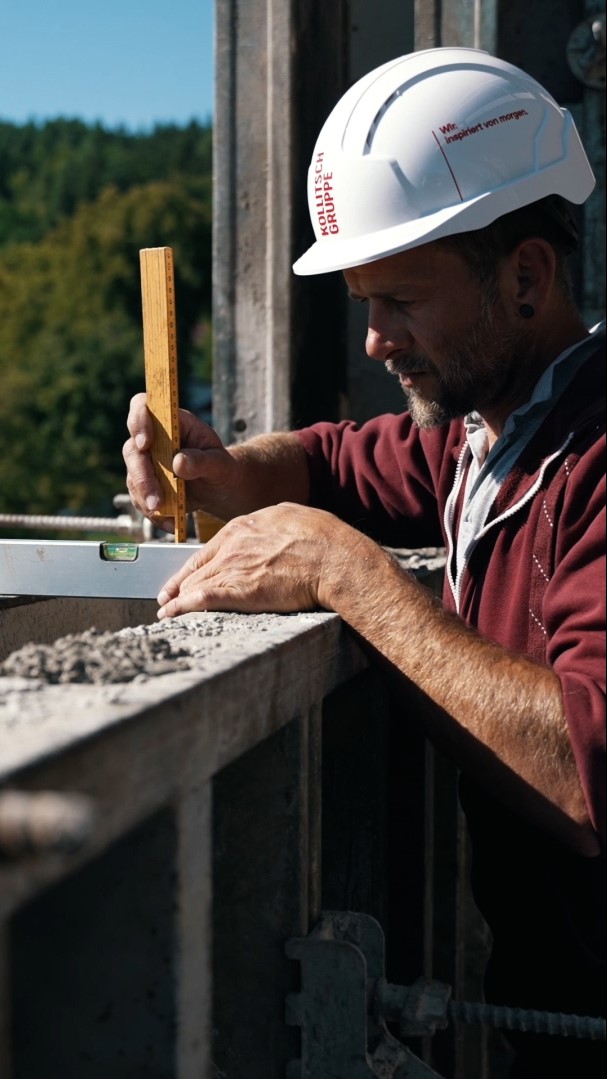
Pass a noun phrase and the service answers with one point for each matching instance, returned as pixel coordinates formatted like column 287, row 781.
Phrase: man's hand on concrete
column 279, row 559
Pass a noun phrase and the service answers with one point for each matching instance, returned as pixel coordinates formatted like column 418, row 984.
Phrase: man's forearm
column 270, row 469
column 273, row 468
column 499, row 714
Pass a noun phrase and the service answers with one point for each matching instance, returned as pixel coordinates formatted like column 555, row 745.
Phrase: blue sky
column 123, row 62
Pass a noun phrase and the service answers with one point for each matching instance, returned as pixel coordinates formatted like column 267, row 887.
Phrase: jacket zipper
column 455, row 585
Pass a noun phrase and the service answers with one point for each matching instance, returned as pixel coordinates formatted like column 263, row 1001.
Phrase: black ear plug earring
column 526, row 310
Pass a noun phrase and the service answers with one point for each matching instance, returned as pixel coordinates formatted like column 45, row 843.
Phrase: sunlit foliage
column 76, row 206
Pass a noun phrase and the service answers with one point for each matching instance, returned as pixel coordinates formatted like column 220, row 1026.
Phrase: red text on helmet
column 323, row 198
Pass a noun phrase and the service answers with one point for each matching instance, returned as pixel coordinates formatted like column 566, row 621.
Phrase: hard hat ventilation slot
column 378, row 116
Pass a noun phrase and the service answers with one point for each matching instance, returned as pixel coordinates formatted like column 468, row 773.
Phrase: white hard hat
column 431, row 144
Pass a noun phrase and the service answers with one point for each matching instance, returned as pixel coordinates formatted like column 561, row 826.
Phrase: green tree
column 71, row 344
column 47, row 171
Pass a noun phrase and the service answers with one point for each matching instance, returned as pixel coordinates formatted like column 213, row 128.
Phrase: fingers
column 139, row 422
column 142, row 485
column 202, row 457
column 190, row 464
column 197, row 560
column 186, row 603
column 141, row 482
column 194, row 433
column 174, row 600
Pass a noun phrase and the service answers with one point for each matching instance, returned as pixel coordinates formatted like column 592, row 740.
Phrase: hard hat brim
column 342, row 254
column 335, row 253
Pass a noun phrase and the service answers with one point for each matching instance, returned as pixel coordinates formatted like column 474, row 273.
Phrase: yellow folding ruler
column 161, row 380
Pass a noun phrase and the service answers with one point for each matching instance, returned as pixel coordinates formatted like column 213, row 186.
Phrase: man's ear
column 532, row 272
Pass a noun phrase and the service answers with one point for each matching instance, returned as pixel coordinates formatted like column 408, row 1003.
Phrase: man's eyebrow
column 376, row 293
column 390, row 293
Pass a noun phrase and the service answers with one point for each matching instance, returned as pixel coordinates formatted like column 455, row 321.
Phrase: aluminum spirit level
column 88, row 568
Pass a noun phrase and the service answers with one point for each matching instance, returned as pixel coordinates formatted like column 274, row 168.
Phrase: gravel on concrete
column 136, row 653
column 96, row 657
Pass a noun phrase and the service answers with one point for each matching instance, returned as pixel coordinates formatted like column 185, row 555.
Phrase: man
column 440, row 185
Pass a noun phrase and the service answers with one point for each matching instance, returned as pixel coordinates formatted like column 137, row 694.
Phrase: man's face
column 447, row 337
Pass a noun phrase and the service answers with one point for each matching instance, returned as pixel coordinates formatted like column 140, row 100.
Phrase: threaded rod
column 528, row 1020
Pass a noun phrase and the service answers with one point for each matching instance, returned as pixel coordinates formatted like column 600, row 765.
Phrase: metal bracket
column 345, row 1002
column 343, row 1034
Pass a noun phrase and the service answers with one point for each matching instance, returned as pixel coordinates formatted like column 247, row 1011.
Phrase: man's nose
column 384, row 339
column 376, row 344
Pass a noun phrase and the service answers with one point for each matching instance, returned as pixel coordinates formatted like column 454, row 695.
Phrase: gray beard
column 479, row 374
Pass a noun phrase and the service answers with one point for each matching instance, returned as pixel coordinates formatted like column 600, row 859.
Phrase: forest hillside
column 77, row 204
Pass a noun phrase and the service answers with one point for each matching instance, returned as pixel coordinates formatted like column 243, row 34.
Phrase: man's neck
column 543, row 351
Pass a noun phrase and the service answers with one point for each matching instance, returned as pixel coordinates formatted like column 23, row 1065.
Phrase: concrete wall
column 159, row 844
column 172, row 832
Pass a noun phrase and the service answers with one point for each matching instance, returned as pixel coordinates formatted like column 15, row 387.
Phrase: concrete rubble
column 146, row 651
column 53, row 695
column 96, row 656
column 70, row 687
column 136, row 653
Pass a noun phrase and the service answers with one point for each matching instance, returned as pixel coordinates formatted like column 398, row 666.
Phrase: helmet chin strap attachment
column 526, row 310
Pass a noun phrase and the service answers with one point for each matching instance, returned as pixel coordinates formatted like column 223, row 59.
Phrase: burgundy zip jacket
column 535, row 584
